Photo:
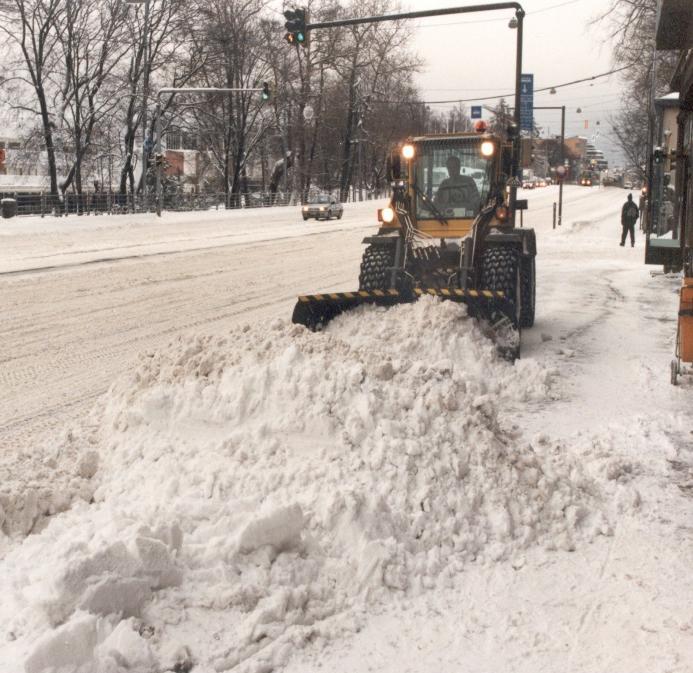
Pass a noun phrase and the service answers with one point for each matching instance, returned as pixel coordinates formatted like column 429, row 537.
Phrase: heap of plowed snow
column 255, row 490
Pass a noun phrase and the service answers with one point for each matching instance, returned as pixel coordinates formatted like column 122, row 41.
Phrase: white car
column 323, row 207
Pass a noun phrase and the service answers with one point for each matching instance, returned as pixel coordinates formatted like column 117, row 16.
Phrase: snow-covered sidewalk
column 386, row 495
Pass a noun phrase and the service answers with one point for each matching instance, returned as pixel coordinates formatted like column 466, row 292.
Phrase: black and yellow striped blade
column 316, row 310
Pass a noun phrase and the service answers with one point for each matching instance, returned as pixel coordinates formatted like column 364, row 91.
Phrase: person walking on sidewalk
column 629, row 216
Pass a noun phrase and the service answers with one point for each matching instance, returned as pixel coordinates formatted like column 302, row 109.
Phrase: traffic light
column 295, row 25
column 265, row 91
column 658, row 155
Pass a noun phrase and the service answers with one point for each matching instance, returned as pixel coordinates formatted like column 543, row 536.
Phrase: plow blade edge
column 497, row 315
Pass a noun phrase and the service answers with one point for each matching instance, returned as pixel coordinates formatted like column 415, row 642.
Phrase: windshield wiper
column 431, row 206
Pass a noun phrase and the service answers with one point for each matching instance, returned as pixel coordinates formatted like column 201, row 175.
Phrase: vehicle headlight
column 487, row 149
column 305, row 208
column 408, row 151
column 323, row 208
column 388, row 215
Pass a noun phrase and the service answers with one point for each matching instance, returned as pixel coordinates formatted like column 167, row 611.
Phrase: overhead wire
column 504, row 95
column 476, row 21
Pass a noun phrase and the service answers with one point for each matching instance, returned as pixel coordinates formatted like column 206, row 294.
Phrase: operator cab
column 452, row 178
column 449, row 179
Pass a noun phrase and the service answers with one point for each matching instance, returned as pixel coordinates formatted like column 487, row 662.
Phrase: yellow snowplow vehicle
column 449, row 231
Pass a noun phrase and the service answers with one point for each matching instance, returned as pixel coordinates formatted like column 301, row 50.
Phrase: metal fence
column 111, row 203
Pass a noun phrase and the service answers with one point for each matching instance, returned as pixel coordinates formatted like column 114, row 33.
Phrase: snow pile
column 45, row 486
column 256, row 489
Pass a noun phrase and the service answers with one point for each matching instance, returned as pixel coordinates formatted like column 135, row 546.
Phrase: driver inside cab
column 457, row 191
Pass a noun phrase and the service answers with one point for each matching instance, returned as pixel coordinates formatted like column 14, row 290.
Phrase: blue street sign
column 527, row 103
column 476, row 111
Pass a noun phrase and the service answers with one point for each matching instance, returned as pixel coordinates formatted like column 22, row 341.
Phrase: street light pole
column 560, row 183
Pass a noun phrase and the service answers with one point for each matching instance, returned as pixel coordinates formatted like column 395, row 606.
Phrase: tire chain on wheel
column 376, row 266
column 499, row 270
column 528, row 288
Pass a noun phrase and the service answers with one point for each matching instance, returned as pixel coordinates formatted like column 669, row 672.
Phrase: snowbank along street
column 193, row 483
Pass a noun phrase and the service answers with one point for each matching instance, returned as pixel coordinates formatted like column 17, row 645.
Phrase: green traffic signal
column 295, row 25
column 265, row 91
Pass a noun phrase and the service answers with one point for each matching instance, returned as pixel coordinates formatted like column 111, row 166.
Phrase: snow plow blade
column 496, row 314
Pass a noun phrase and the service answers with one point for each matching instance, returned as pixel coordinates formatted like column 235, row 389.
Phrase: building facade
column 672, row 153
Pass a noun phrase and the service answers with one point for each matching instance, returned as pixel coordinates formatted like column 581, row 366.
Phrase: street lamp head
column 513, row 23
column 579, row 111
column 553, row 91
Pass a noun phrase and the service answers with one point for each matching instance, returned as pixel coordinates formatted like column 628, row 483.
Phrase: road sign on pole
column 476, row 111
column 527, row 103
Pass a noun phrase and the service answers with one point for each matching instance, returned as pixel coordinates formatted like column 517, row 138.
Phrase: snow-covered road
column 82, row 297
column 568, row 548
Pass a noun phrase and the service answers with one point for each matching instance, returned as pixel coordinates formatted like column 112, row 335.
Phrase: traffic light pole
column 172, row 92
column 491, row 7
column 418, row 15
column 560, row 182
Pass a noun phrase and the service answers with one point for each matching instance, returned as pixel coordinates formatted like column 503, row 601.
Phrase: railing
column 100, row 203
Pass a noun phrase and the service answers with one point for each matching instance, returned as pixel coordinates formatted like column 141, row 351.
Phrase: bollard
column 554, row 214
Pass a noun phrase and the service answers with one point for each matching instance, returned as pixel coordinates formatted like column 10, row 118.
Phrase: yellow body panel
column 686, row 321
column 435, row 229
column 453, row 229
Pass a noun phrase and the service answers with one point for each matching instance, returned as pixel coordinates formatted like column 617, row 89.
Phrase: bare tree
column 172, row 61
column 632, row 25
column 33, row 47
column 231, row 125
column 92, row 46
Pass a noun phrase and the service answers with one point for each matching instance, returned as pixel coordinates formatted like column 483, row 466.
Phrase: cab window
column 455, row 179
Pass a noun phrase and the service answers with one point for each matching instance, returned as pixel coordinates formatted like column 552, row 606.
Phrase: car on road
column 323, row 207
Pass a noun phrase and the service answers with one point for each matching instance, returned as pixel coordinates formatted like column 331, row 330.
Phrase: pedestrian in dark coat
column 629, row 216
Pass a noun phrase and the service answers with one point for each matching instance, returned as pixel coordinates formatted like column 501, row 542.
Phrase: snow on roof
column 11, row 182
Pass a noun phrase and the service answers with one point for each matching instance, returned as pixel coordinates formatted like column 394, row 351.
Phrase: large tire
column 376, row 266
column 529, row 291
column 500, row 271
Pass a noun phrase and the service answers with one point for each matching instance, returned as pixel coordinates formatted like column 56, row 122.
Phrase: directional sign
column 527, row 103
column 476, row 111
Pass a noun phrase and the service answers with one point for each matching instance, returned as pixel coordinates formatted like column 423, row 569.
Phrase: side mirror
column 394, row 166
